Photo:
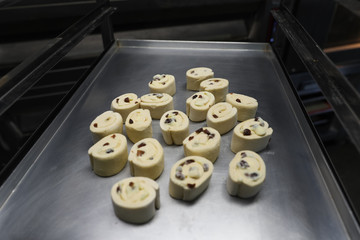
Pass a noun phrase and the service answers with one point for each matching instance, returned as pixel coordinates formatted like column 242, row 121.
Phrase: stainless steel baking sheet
column 53, row 194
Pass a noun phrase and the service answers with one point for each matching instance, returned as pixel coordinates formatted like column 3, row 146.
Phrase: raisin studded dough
column 105, row 124
column 157, row 104
column 189, row 177
column 253, row 134
column 247, row 174
column 222, row 116
column 219, row 87
column 195, row 76
column 125, row 104
column 138, row 125
column 246, row 106
column 146, row 158
column 204, row 142
column 109, row 155
column 174, row 126
column 135, row 199
column 198, row 105
column 163, row 83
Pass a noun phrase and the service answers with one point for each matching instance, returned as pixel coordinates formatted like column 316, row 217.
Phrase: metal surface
column 340, row 93
column 53, row 194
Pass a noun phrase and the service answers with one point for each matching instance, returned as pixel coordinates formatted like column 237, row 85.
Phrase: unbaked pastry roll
column 174, row 126
column 245, row 105
column 253, row 134
column 204, row 142
column 157, row 104
column 146, row 158
column 198, row 104
column 135, row 199
column 222, row 116
column 195, row 76
column 189, row 177
column 163, row 83
column 138, row 125
column 247, row 173
column 219, row 87
column 105, row 124
column 125, row 104
column 109, row 155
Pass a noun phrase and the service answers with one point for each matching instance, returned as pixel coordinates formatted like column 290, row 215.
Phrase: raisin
column 167, row 115
column 215, row 116
column 247, row 132
column 176, row 113
column 127, row 100
column 192, row 71
column 117, row 100
column 211, row 136
column 113, row 136
column 151, row 82
column 191, row 138
column 131, row 121
column 179, row 175
column 168, row 120
column 191, row 185
column 199, row 130
column 131, row 184
column 105, row 144
column 142, row 145
column 195, row 96
column 243, row 154
column 200, row 96
column 189, row 161
column 257, row 119
column 163, row 83
column 238, row 100
column 207, row 132
column 110, row 150
column 118, row 189
column 254, row 175
column 139, row 153
column 244, row 164
column 95, row 125
column 216, row 80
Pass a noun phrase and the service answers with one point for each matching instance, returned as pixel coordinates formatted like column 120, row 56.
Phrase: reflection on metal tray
column 53, row 194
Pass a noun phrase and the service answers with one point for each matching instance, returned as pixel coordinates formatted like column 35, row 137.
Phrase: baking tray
column 53, row 193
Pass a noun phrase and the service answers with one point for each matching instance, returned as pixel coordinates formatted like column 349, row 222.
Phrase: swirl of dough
column 247, row 173
column 109, row 155
column 125, row 104
column 198, row 104
column 163, row 83
column 246, row 106
column 138, row 125
column 135, row 199
column 174, row 126
column 189, row 177
column 157, row 104
column 195, row 76
column 204, row 142
column 105, row 124
column 146, row 158
column 253, row 134
column 222, row 116
column 219, row 87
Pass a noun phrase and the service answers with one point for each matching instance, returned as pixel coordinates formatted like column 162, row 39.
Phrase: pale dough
column 189, row 177
column 204, row 142
column 146, row 158
column 219, row 87
column 198, row 105
column 135, row 199
column 138, row 125
column 246, row 106
column 109, row 155
column 253, row 134
column 163, row 83
column 247, row 174
column 105, row 124
column 125, row 104
column 174, row 126
column 195, row 76
column 157, row 104
column 222, row 116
